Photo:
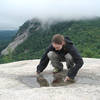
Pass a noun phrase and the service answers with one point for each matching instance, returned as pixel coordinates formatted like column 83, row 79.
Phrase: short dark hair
column 58, row 39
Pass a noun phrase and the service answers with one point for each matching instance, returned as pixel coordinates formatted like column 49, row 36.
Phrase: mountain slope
column 84, row 33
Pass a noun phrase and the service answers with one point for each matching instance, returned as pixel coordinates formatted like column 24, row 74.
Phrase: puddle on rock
column 46, row 79
column 51, row 79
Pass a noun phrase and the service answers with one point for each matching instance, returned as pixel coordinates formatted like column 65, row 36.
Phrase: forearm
column 74, row 70
column 43, row 64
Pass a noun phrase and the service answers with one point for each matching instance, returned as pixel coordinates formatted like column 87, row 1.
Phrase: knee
column 51, row 54
column 68, row 57
column 81, row 63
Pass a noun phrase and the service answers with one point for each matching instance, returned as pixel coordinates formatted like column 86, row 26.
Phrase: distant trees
column 7, row 58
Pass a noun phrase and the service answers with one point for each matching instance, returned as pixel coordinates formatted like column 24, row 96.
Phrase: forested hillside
column 6, row 37
column 85, row 34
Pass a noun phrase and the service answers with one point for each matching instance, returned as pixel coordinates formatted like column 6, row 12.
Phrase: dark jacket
column 67, row 48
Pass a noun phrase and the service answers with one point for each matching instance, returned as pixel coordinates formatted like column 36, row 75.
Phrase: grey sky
column 14, row 13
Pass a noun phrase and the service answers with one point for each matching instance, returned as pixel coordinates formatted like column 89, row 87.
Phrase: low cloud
column 14, row 13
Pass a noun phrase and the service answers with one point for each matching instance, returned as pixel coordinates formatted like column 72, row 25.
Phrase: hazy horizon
column 13, row 13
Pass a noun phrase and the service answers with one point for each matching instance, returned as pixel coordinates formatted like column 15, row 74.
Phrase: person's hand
column 67, row 79
column 38, row 73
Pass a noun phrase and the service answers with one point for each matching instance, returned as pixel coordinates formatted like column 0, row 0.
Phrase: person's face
column 57, row 46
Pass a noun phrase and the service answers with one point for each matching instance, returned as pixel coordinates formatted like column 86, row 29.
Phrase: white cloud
column 15, row 12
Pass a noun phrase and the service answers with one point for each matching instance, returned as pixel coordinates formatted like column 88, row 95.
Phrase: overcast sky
column 14, row 13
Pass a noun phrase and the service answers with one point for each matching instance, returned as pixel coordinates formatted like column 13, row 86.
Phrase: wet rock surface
column 46, row 79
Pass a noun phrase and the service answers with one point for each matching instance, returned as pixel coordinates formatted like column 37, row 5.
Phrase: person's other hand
column 37, row 73
column 67, row 79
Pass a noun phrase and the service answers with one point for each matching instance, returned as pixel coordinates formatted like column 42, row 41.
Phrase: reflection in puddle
column 50, row 79
column 42, row 81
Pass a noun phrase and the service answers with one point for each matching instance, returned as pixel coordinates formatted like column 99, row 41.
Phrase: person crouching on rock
column 61, row 50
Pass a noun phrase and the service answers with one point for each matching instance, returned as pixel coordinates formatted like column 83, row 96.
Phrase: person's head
column 58, row 41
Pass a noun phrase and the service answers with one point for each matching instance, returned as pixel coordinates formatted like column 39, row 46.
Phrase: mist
column 13, row 13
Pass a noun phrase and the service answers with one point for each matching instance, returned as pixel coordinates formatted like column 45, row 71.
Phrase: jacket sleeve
column 44, row 60
column 77, row 60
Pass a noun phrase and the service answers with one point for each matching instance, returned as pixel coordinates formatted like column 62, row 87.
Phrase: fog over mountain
column 14, row 13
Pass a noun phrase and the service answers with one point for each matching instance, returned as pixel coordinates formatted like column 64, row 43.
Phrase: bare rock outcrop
column 18, row 81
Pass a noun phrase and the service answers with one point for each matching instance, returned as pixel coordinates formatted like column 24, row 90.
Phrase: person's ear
column 63, row 42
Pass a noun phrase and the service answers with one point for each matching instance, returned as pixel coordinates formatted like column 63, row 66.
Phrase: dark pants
column 56, row 60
